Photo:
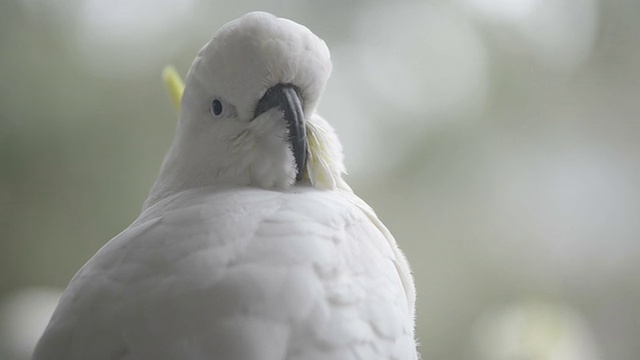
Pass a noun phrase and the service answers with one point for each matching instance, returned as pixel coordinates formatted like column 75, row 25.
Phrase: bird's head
column 248, row 112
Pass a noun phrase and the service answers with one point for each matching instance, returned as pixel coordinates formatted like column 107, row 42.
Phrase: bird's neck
column 183, row 169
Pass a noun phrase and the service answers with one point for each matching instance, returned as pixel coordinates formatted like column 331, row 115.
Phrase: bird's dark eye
column 216, row 107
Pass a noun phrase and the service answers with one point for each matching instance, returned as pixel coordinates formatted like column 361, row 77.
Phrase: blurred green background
column 497, row 139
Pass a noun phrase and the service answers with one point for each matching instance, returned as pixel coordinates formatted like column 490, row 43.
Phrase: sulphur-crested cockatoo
column 250, row 244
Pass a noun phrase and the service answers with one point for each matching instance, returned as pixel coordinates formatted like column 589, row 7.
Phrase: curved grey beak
column 286, row 98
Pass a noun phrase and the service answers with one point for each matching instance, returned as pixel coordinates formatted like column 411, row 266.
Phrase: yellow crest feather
column 174, row 85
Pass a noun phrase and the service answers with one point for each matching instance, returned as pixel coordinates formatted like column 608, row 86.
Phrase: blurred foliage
column 497, row 140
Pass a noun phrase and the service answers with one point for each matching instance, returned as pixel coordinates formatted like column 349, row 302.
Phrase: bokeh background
column 497, row 139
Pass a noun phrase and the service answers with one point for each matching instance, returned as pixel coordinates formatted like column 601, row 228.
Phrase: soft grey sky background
column 497, row 139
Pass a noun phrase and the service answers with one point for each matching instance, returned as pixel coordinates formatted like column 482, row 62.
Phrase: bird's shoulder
column 214, row 270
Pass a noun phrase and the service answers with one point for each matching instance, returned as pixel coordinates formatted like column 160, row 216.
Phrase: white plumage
column 240, row 252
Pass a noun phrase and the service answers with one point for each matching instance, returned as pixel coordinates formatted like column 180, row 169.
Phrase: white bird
column 250, row 244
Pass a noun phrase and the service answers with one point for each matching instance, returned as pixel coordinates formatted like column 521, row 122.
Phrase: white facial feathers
column 249, row 55
column 220, row 140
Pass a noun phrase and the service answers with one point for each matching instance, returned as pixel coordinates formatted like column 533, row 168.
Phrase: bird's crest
column 174, row 84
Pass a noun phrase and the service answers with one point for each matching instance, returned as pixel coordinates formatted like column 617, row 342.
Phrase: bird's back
column 240, row 274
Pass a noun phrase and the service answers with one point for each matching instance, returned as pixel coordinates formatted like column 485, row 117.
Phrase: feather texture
column 239, row 274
